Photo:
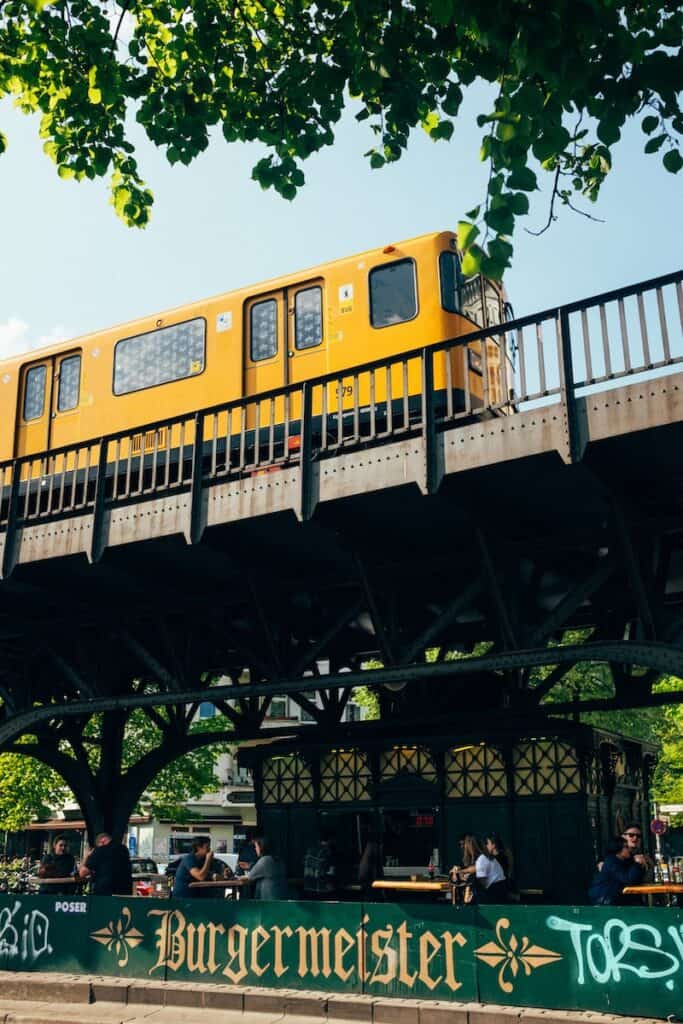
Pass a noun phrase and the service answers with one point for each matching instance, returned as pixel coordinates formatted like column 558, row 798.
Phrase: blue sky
column 69, row 266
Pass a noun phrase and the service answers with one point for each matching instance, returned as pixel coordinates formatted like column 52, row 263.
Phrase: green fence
column 616, row 959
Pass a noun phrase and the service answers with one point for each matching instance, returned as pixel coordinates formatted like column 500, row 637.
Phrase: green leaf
column 519, row 204
column 467, row 233
column 673, row 161
column 609, row 131
column 649, row 124
column 3, row 143
column 472, row 260
column 652, row 145
column 523, row 178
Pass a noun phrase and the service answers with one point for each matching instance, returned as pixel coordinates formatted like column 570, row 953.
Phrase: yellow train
column 371, row 306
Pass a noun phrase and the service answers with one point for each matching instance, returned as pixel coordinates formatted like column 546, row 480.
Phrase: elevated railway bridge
column 285, row 545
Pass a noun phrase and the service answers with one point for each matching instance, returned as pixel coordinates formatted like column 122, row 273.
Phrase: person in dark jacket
column 58, row 864
column 109, row 867
column 619, row 868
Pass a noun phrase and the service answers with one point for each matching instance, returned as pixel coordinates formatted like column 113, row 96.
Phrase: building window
column 263, row 330
column 207, row 709
column 69, row 383
column 393, row 294
column 449, row 275
column 159, row 357
column 34, row 393
column 475, row 771
column 354, row 712
column 308, row 318
column 278, row 708
column 286, row 779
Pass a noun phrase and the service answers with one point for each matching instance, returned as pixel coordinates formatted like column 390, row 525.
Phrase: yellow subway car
column 243, row 343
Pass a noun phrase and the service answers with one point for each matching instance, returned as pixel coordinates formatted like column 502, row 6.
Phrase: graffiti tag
column 23, row 936
column 606, row 953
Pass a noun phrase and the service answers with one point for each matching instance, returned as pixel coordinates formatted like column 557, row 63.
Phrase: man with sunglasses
column 633, row 835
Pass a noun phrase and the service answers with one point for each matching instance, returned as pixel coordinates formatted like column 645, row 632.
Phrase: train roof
column 270, row 284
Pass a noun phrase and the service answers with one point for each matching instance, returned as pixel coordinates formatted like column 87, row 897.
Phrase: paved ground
column 75, row 999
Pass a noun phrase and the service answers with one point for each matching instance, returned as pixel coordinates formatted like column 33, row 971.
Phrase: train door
column 265, row 344
column 50, row 390
column 306, row 340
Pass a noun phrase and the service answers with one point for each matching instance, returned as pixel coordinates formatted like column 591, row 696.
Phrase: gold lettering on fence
column 279, row 967
column 237, row 949
column 380, row 945
column 362, row 944
column 404, row 975
column 195, row 948
column 170, row 943
column 429, row 948
column 318, row 943
column 449, row 940
column 214, row 930
column 259, row 938
column 344, row 942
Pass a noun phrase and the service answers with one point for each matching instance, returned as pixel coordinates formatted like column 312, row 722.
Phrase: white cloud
column 16, row 337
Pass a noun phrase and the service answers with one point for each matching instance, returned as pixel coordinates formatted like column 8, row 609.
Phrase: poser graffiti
column 23, row 936
column 606, row 953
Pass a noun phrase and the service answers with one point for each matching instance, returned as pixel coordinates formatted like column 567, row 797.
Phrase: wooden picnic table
column 434, row 887
column 69, row 880
column 654, row 889
column 222, row 883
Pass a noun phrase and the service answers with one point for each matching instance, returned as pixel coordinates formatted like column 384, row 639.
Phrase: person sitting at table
column 370, row 867
column 246, row 858
column 492, row 882
column 58, row 864
column 470, row 850
column 269, row 873
column 619, row 868
column 198, row 866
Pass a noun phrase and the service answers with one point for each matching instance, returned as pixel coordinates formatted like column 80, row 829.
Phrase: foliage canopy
column 566, row 76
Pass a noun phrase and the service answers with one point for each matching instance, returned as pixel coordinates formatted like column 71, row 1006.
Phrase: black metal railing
column 550, row 357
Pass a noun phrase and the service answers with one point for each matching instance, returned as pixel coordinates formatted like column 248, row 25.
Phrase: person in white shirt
column 492, row 884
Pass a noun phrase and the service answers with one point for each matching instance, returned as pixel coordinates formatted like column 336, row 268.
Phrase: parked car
column 147, row 879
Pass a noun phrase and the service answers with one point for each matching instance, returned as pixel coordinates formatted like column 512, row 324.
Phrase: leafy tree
column 564, row 77
column 113, row 764
column 27, row 789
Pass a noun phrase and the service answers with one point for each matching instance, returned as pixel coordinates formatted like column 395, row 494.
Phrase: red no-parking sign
column 658, row 827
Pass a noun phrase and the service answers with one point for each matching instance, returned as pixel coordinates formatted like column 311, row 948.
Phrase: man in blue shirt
column 194, row 867
column 619, row 868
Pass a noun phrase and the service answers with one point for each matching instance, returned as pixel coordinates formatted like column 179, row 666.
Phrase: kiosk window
column 171, row 353
column 263, row 330
column 449, row 273
column 34, row 394
column 69, row 383
column 308, row 318
column 393, row 294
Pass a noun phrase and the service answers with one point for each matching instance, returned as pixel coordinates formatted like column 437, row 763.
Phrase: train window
column 308, row 318
column 69, row 383
column 393, row 293
column 449, row 274
column 263, row 330
column 34, row 392
column 159, row 357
